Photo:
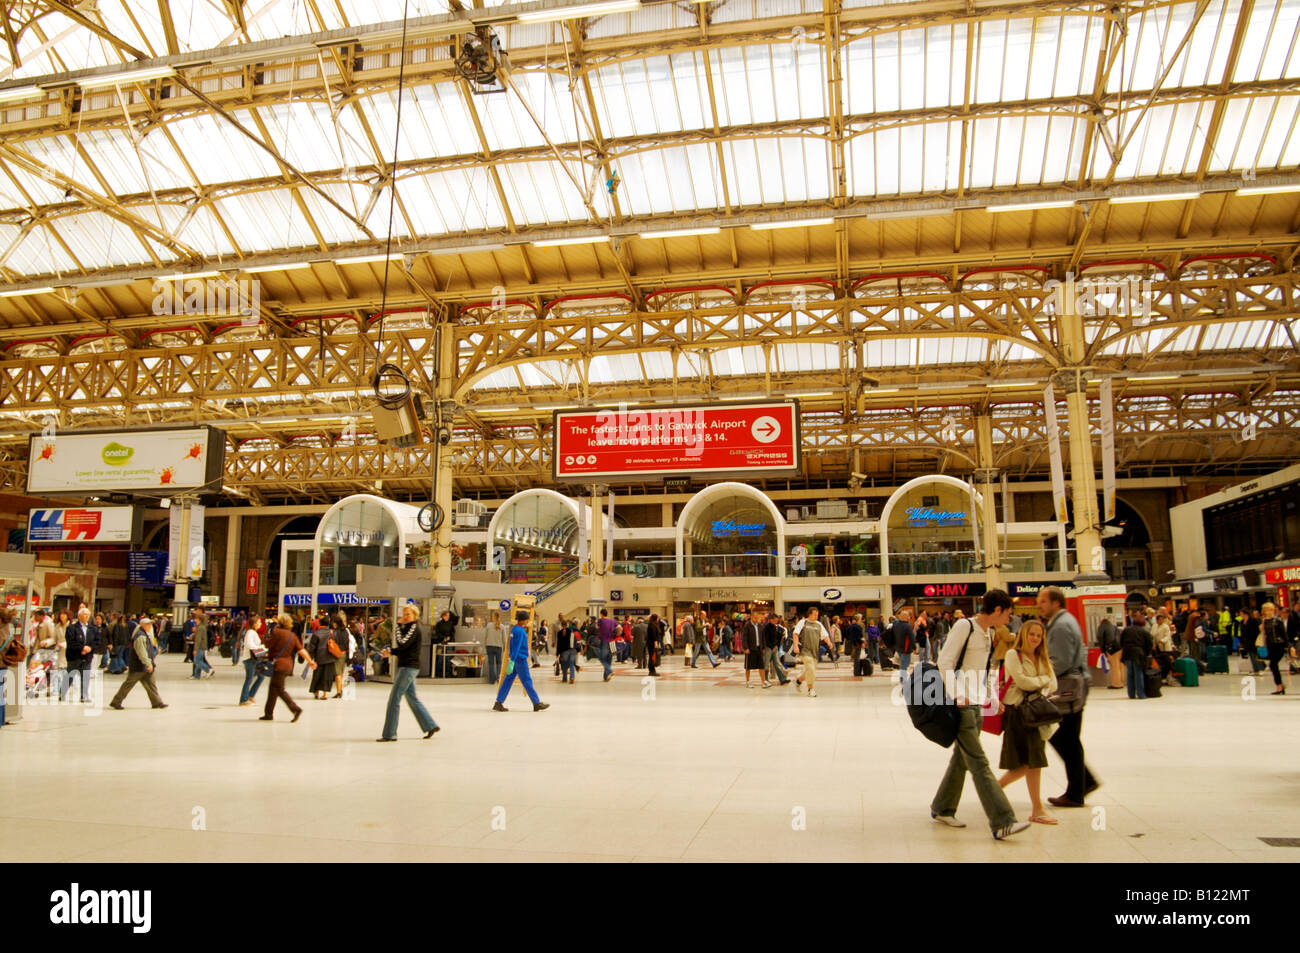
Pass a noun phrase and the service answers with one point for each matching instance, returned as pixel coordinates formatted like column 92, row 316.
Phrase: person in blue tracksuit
column 517, row 663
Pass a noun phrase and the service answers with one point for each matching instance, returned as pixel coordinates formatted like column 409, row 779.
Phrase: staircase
column 555, row 585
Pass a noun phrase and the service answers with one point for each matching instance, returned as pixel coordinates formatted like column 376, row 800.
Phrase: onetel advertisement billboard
column 156, row 462
column 635, row 443
column 85, row 524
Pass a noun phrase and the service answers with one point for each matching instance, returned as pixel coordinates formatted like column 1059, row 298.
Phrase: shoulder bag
column 13, row 652
column 266, row 665
column 1038, row 710
column 334, row 648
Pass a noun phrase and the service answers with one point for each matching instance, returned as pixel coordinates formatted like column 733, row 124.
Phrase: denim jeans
column 200, row 662
column 568, row 663
column 602, row 652
column 724, row 650
column 904, row 662
column 623, row 649
column 968, row 756
column 525, row 675
column 772, row 663
column 252, row 681
column 1136, row 674
column 873, row 650
column 404, row 687
column 493, row 653
column 702, row 646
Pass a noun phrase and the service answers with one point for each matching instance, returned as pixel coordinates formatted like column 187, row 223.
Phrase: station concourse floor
column 701, row 769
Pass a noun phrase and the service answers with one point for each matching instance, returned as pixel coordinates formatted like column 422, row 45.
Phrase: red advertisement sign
column 1283, row 575
column 250, row 586
column 630, row 443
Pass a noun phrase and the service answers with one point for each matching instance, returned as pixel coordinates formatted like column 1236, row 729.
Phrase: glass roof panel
column 1273, row 31
column 656, row 94
column 671, row 179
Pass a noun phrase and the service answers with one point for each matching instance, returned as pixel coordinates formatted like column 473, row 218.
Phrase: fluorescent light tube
column 682, row 233
column 793, row 223
column 15, row 93
column 911, row 213
column 1164, row 197
column 17, row 292
column 125, row 77
column 578, row 10
column 1030, row 206
column 366, row 259
column 1268, row 190
column 291, row 266
column 1157, row 377
column 557, row 242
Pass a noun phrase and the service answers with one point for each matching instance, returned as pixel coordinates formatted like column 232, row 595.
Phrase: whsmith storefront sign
column 726, row 528
column 929, row 516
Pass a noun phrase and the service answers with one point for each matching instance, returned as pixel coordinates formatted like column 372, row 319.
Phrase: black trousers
column 1069, row 745
column 651, row 657
column 277, row 690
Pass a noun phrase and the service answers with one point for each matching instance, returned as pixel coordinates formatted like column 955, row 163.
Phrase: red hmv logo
column 948, row 589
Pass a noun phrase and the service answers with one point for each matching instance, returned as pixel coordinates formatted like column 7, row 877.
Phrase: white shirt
column 253, row 642
column 973, row 665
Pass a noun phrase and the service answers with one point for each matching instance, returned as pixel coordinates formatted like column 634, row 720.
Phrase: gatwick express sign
column 622, row 444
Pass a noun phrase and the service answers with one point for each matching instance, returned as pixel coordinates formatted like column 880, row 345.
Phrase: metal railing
column 841, row 564
column 555, row 585
column 743, row 564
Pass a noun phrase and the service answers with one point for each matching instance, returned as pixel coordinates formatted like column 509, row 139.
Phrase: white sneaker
column 948, row 821
column 1011, row 830
column 812, row 693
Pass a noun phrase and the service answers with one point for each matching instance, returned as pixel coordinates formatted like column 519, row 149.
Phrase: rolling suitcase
column 1187, row 672
column 1217, row 660
column 1154, row 681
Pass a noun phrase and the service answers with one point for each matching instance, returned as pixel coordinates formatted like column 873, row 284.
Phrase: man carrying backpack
column 139, row 666
column 964, row 665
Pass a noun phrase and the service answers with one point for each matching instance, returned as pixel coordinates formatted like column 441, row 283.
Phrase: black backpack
column 933, row 713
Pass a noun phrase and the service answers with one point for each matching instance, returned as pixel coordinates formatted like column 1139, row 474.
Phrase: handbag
column 265, row 667
column 334, row 648
column 1038, row 710
column 993, row 723
column 13, row 652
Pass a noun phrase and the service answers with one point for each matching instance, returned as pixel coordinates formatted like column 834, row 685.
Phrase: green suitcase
column 1216, row 660
column 1185, row 669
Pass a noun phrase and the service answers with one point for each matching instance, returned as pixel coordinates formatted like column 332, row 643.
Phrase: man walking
column 903, row 639
column 689, row 635
column 201, row 667
column 1066, row 649
column 1108, row 640
column 139, row 666
column 639, row 632
column 726, row 635
column 406, row 646
column 773, row 636
column 972, row 644
column 812, row 635
column 855, row 644
column 606, row 632
column 517, row 665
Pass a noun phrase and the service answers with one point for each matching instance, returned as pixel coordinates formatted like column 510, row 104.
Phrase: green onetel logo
column 116, row 455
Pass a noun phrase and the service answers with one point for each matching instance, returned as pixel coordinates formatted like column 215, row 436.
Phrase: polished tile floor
column 695, row 767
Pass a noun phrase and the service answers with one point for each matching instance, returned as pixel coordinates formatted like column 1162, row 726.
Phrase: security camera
column 444, row 436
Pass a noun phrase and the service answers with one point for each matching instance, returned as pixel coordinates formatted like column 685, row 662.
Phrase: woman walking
column 1195, row 635
column 1272, row 634
column 406, row 646
column 281, row 645
column 249, row 641
column 344, row 639
column 1024, row 754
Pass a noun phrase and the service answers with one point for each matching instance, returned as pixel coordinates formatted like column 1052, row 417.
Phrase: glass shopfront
column 931, row 533
column 730, row 535
column 534, row 537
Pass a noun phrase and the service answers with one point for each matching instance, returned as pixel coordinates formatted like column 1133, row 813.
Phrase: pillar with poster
column 523, row 604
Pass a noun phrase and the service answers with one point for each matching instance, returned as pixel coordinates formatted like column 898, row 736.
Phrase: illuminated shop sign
column 929, row 516
column 724, row 528
column 331, row 599
column 948, row 589
column 1286, row 574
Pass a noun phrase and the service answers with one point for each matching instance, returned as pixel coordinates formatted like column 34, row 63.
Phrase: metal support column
column 1090, row 557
